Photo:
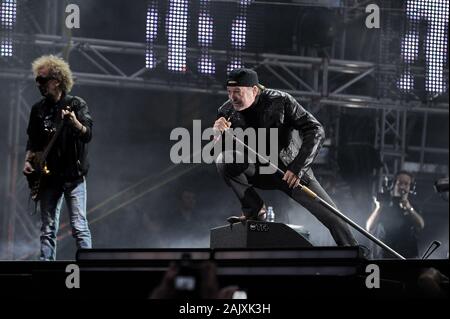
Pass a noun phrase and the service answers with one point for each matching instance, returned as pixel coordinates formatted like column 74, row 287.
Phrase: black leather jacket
column 68, row 156
column 300, row 135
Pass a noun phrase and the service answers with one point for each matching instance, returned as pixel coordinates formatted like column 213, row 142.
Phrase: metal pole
column 12, row 168
column 317, row 198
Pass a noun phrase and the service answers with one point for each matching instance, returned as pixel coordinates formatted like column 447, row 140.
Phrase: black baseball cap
column 243, row 77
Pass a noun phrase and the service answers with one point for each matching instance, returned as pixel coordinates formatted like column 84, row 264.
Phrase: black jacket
column 300, row 135
column 68, row 156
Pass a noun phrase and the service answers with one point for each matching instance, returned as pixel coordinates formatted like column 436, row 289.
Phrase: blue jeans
column 51, row 198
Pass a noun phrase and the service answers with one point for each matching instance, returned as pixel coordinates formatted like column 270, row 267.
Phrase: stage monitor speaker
column 256, row 234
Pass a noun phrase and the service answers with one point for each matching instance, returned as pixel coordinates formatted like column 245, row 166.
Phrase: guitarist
column 65, row 159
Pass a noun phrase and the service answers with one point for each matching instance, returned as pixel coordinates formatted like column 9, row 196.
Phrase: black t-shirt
column 397, row 231
column 250, row 116
column 62, row 160
column 251, row 119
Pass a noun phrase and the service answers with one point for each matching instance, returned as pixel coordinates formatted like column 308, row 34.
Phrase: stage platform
column 261, row 273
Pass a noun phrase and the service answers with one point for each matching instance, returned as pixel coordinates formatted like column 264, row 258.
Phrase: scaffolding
column 309, row 79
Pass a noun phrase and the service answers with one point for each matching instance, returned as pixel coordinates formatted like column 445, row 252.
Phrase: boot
column 261, row 216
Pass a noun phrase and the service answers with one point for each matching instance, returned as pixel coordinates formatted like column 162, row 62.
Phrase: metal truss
column 392, row 139
column 322, row 82
column 392, row 124
column 16, row 211
column 16, row 215
column 306, row 78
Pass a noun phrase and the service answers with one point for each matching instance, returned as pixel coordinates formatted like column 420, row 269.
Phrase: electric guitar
column 38, row 161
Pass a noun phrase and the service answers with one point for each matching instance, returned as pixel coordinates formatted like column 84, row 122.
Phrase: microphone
column 217, row 138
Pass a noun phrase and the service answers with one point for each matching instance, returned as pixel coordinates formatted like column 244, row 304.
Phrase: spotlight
column 8, row 10
column 176, row 26
column 435, row 13
column 151, row 34
column 205, row 39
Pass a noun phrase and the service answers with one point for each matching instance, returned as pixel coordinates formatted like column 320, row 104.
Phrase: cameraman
column 395, row 221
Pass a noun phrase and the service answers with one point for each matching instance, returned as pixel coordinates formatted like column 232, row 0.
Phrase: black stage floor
column 260, row 273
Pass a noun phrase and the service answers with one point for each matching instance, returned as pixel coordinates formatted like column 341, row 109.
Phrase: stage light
column 176, row 19
column 206, row 64
column 8, row 14
column 435, row 13
column 151, row 33
column 238, row 35
column 235, row 63
column 8, row 11
column 176, row 26
column 6, row 48
column 238, row 32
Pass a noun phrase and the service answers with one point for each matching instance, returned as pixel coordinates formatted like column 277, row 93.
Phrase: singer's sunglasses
column 43, row 80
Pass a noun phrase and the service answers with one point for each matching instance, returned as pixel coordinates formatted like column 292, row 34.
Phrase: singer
column 300, row 136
